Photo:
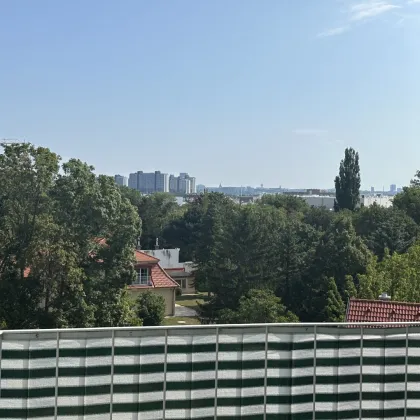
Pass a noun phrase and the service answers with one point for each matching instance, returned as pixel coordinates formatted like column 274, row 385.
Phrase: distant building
column 173, row 184
column 184, row 185
column 193, row 188
column 379, row 199
column 148, row 183
column 327, row 201
column 372, row 189
column 161, row 182
column 132, row 181
column 121, row 180
column 319, row 201
column 393, row 188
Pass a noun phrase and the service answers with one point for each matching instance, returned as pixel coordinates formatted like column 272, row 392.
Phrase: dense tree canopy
column 408, row 201
column 385, row 228
column 257, row 306
column 67, row 238
column 51, row 259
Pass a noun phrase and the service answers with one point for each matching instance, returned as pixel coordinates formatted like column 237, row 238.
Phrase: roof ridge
column 395, row 302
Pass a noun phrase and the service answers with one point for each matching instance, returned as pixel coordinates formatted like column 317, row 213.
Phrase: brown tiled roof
column 158, row 278
column 142, row 257
column 362, row 310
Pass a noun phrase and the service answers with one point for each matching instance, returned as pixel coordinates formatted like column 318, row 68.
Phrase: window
column 143, row 276
column 182, row 283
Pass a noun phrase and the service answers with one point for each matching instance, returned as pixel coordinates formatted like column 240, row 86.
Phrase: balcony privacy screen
column 267, row 372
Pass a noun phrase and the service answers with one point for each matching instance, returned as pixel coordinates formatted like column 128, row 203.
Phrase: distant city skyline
column 124, row 180
column 236, row 92
column 158, row 181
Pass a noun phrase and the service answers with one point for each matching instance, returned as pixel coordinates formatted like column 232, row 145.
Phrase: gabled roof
column 158, row 278
column 142, row 257
column 363, row 310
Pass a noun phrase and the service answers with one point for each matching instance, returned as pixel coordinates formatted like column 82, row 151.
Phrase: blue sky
column 231, row 91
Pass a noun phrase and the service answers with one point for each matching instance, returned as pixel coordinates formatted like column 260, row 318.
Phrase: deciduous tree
column 258, row 306
column 385, row 228
column 151, row 308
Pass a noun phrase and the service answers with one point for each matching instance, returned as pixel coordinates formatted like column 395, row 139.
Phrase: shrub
column 151, row 308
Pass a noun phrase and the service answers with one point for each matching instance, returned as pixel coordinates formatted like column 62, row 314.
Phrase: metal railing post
column 57, row 359
column 1, row 349
column 265, row 372
column 406, row 373
column 165, row 369
column 314, row 380
column 361, row 374
column 111, row 387
column 216, row 373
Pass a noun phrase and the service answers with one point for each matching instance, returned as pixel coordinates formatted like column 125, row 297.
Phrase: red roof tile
column 361, row 310
column 142, row 257
column 158, row 278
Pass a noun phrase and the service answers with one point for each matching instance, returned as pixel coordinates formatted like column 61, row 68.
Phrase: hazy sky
column 231, row 91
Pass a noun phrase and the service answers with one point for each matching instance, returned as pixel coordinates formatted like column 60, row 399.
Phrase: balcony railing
column 142, row 280
column 258, row 371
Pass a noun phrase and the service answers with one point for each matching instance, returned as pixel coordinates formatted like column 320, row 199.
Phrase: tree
column 289, row 203
column 335, row 309
column 156, row 212
column 385, row 228
column 319, row 218
column 100, row 228
column 258, row 306
column 397, row 274
column 350, row 290
column 151, row 308
column 408, row 201
column 347, row 182
column 67, row 242
column 186, row 232
column 26, row 177
column 132, row 195
column 295, row 246
column 415, row 182
column 244, row 257
column 339, row 252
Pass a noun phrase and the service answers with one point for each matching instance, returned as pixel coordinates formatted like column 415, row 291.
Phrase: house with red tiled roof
column 382, row 310
column 182, row 272
column 151, row 276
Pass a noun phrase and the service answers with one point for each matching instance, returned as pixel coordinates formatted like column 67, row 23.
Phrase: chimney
column 384, row 296
column 138, row 246
column 157, row 243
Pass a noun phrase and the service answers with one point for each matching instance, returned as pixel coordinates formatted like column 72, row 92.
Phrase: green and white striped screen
column 265, row 372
